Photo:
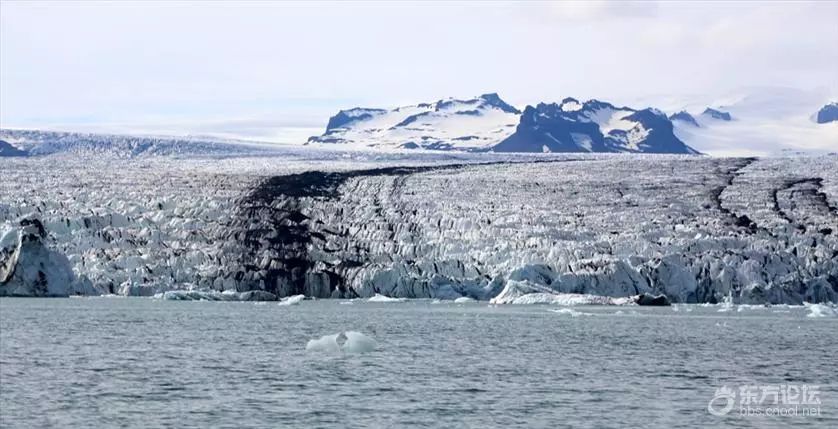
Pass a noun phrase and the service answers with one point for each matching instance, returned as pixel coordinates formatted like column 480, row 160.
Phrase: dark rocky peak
column 685, row 117
column 828, row 113
column 717, row 114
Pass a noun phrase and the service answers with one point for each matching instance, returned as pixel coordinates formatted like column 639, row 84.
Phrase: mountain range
column 760, row 121
column 487, row 123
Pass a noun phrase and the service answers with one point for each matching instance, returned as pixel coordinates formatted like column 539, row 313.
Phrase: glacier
column 344, row 224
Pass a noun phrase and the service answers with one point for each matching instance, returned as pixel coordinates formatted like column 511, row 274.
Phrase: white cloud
column 182, row 63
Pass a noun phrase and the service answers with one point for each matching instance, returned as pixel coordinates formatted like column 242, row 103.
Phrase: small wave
column 571, row 312
column 682, row 307
column 742, row 307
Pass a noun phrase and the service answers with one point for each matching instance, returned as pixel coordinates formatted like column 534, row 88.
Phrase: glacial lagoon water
column 146, row 363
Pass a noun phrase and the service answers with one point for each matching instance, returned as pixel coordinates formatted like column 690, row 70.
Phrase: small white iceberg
column 464, row 300
column 343, row 342
column 819, row 310
column 292, row 300
column 381, row 298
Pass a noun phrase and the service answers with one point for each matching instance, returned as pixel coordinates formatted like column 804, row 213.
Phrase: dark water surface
column 145, row 363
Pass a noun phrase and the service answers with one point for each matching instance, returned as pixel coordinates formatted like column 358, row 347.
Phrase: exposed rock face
column 494, row 100
column 685, row 117
column 546, row 128
column 344, row 118
column 7, row 149
column 27, row 266
column 717, row 114
column 828, row 113
column 593, row 126
column 654, row 134
column 653, row 300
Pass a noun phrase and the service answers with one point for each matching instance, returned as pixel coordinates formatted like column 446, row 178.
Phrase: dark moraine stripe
column 271, row 221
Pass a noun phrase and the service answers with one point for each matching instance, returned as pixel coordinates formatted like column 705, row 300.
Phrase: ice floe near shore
column 211, row 295
column 382, row 298
column 523, row 292
column 821, row 310
column 292, row 300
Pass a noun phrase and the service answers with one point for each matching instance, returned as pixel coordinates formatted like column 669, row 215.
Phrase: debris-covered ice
column 212, row 295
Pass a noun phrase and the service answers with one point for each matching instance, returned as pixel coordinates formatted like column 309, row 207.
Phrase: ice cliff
column 692, row 228
column 28, row 267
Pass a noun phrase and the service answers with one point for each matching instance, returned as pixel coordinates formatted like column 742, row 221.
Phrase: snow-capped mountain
column 488, row 123
column 716, row 114
column 592, row 126
column 473, row 124
column 6, row 149
column 762, row 121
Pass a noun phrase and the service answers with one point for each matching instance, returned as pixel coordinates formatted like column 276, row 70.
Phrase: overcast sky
column 277, row 71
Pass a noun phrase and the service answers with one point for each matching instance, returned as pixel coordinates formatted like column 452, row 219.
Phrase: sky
column 276, row 71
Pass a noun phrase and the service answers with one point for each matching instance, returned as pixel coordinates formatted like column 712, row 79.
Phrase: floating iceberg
column 325, row 344
column 343, row 342
column 820, row 310
column 381, row 298
column 212, row 295
column 524, row 292
column 464, row 300
column 292, row 300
